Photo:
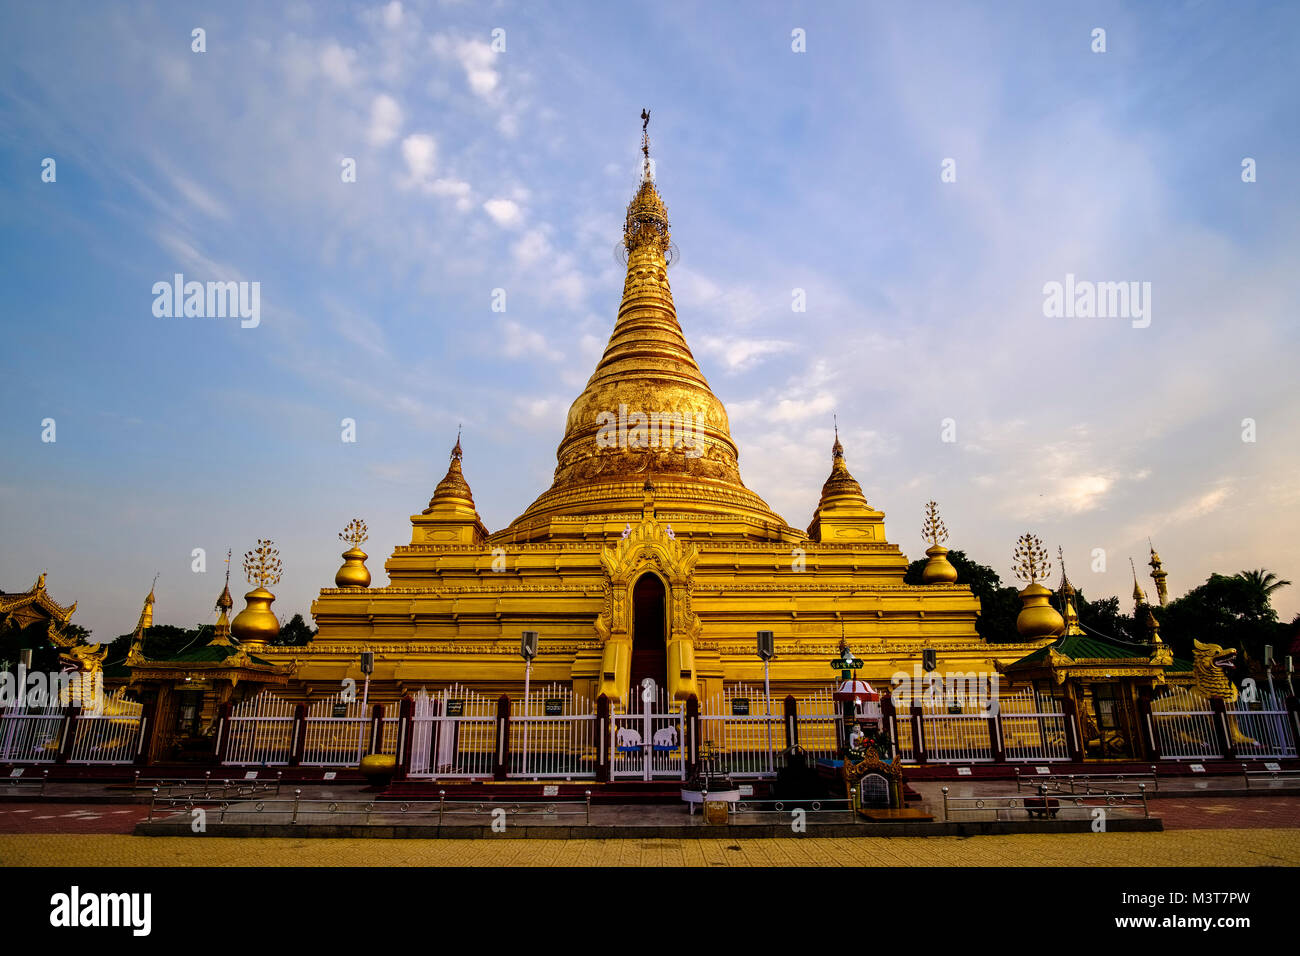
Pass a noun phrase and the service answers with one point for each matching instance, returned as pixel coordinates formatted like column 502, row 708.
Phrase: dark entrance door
column 649, row 638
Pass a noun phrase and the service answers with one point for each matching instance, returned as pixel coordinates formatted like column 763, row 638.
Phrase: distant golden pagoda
column 647, row 557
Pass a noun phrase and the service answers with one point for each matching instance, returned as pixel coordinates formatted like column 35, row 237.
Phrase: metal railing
column 31, row 736
column 1100, row 783
column 1248, row 774
column 299, row 810
column 1045, row 802
column 223, row 787
column 822, row 805
column 37, row 784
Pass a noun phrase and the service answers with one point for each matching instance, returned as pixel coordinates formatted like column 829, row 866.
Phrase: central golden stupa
column 647, row 556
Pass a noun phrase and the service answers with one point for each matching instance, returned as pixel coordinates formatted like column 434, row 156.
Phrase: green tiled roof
column 1090, row 647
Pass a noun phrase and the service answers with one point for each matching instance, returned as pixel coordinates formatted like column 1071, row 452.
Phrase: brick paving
column 70, row 818
column 1221, row 847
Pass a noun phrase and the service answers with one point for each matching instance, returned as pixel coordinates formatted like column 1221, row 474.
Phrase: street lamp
column 367, row 668
column 527, row 650
column 767, row 651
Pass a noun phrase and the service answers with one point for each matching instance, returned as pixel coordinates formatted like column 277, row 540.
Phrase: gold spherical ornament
column 256, row 624
column 354, row 573
column 1038, row 618
column 938, row 569
column 378, row 769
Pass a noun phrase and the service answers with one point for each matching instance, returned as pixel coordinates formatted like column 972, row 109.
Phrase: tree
column 295, row 634
column 999, row 606
column 1104, row 616
column 1229, row 611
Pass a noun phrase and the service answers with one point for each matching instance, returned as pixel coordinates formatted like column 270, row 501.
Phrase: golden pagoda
column 647, row 557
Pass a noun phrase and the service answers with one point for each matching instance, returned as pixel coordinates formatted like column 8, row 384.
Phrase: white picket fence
column 110, row 735
column 453, row 734
column 260, row 731
column 1185, row 726
column 1033, row 727
column 30, row 735
column 336, row 733
column 553, row 734
column 1029, row 727
column 741, row 734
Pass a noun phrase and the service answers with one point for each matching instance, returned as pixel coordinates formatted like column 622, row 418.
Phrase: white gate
column 260, row 731
column 1259, row 728
column 335, row 735
column 1184, row 725
column 30, row 735
column 1033, row 727
column 553, row 734
column 110, row 735
column 819, row 718
column 745, row 739
column 453, row 734
column 649, row 737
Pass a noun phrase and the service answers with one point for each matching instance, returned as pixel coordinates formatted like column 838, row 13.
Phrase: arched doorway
column 649, row 637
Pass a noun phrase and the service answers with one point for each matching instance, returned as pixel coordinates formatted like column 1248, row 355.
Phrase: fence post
column 144, row 732
column 692, row 742
column 791, row 722
column 376, row 729
column 70, row 715
column 502, row 768
column 405, row 719
column 223, row 730
column 298, row 743
column 1072, row 738
column 918, row 734
column 602, row 739
column 996, row 746
column 1147, row 724
column 1226, row 746
column 1293, row 722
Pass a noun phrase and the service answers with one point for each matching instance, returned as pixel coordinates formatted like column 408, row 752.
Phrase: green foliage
column 294, row 634
column 1104, row 616
column 1231, row 611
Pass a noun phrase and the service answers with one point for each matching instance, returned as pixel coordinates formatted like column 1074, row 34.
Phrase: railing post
column 791, row 722
column 918, row 735
column 1221, row 729
column 692, row 741
column 589, row 805
column 376, row 729
column 223, row 730
column 889, row 718
column 1142, row 787
column 1147, row 724
column 945, row 804
column 502, row 769
column 405, row 725
column 442, row 799
column 143, row 733
column 602, row 739
column 297, row 795
column 70, row 715
column 996, row 746
column 1073, row 740
column 298, row 742
column 1293, row 722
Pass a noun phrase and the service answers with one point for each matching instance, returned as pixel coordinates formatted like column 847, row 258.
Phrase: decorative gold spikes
column 933, row 529
column 262, row 565
column 1031, row 560
column 354, row 533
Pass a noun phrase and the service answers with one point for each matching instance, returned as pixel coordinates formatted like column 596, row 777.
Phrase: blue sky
column 479, row 170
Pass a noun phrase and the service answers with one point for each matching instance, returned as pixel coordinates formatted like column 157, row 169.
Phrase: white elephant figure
column 628, row 738
column 667, row 737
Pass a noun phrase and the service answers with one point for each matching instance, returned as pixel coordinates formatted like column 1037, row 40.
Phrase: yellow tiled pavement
column 1253, row 847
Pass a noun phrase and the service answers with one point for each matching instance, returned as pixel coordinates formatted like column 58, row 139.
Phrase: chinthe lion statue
column 1209, row 680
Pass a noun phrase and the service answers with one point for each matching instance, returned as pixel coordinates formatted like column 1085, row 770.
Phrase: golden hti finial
column 354, row 573
column 256, row 625
column 1072, row 625
column 1139, row 596
column 1031, row 561
column 1159, row 575
column 1037, row 617
column 262, row 565
column 933, row 529
column 645, row 144
column 938, row 569
column 647, row 225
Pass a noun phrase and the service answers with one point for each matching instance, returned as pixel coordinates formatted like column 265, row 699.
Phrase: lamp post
column 367, row 668
column 767, row 651
column 527, row 650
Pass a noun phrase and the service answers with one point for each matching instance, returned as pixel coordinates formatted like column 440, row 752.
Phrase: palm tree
column 1265, row 582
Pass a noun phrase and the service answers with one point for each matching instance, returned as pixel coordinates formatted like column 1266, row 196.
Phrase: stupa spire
column 1158, row 574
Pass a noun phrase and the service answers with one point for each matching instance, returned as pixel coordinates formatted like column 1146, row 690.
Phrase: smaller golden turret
column 938, row 569
column 1037, row 618
column 135, row 650
column 1139, row 596
column 1072, row 625
column 1158, row 574
column 221, row 633
column 354, row 573
column 256, row 625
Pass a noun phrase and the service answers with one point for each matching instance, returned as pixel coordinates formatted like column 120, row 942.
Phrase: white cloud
column 741, row 353
column 519, row 341
column 385, row 120
column 504, row 212
column 420, row 150
column 475, row 58
column 337, row 63
column 391, row 14
column 531, row 247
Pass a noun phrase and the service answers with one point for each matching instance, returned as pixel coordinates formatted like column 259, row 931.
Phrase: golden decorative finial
column 355, row 531
column 938, row 569
column 1031, row 559
column 1159, row 575
column 262, row 566
column 645, row 143
column 1072, row 625
column 1037, row 617
column 354, row 573
column 1139, row 596
column 256, row 625
column 647, row 217
column 933, row 529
